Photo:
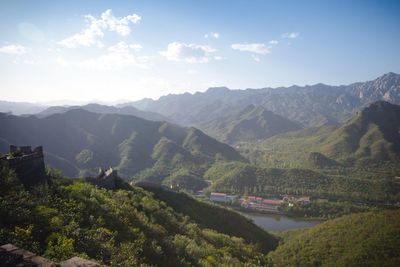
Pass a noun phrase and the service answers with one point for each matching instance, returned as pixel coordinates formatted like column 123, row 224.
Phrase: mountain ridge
column 370, row 136
column 104, row 109
column 310, row 105
column 251, row 124
column 84, row 141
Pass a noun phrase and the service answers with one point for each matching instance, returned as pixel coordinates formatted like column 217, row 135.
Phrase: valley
column 246, row 189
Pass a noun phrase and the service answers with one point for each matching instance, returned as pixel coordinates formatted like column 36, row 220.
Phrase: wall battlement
column 105, row 179
column 28, row 164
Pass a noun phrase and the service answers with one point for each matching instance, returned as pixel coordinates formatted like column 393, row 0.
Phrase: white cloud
column 13, row 49
column 256, row 48
column 273, row 42
column 191, row 53
column 119, row 25
column 123, row 47
column 120, row 56
column 93, row 31
column 212, row 34
column 290, row 35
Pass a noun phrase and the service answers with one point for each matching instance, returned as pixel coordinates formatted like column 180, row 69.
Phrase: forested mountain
column 370, row 138
column 81, row 141
column 122, row 227
column 363, row 239
column 249, row 125
column 311, row 105
column 103, row 109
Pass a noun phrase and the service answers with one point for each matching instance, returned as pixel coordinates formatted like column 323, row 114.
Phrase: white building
column 219, row 197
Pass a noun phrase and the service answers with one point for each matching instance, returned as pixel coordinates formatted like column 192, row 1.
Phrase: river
column 275, row 223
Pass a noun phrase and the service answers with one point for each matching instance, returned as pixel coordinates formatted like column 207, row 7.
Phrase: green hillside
column 124, row 227
column 249, row 125
column 79, row 142
column 363, row 239
column 216, row 217
column 370, row 138
column 243, row 178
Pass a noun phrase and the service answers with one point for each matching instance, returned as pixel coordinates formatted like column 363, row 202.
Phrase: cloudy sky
column 128, row 50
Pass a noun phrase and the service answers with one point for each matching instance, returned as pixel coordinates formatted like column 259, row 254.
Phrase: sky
column 114, row 51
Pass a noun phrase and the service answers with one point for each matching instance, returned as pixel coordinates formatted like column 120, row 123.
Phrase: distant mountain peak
column 389, row 75
column 218, row 89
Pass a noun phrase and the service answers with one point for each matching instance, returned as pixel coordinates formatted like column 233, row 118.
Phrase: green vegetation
column 213, row 216
column 249, row 125
column 245, row 179
column 120, row 228
column 368, row 140
column 363, row 239
column 183, row 179
column 79, row 142
column 323, row 210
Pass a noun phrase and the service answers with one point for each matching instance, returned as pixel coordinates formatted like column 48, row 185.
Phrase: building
column 222, row 197
column 28, row 164
column 303, row 200
column 219, row 197
column 261, row 204
column 106, row 178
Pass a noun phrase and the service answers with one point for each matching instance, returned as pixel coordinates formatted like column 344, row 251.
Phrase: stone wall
column 29, row 167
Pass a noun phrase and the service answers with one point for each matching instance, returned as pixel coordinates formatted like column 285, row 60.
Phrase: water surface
column 272, row 222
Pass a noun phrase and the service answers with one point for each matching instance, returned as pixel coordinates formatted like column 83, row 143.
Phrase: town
column 258, row 204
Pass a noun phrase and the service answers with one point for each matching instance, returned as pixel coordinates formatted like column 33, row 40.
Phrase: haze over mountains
column 234, row 116
column 339, row 146
column 104, row 109
column 79, row 140
column 309, row 105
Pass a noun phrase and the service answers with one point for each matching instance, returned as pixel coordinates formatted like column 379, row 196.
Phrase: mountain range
column 104, row 109
column 78, row 142
column 310, row 105
column 251, row 124
column 372, row 136
column 236, row 116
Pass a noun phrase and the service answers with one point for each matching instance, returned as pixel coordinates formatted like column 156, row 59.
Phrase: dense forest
column 363, row 239
column 123, row 227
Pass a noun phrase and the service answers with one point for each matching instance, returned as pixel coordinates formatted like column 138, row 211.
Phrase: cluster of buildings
column 222, row 198
column 261, row 204
column 258, row 203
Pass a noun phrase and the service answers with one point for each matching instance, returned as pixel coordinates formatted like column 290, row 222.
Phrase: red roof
column 218, row 194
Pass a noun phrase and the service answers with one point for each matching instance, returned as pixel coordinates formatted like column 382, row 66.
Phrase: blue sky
column 128, row 50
